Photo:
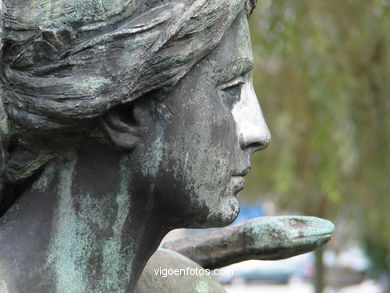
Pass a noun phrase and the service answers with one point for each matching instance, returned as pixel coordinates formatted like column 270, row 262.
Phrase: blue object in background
column 249, row 211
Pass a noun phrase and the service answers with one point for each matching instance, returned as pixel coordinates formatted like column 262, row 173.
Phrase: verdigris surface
column 119, row 121
column 265, row 238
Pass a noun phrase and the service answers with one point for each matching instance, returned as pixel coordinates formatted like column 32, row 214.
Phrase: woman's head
column 66, row 64
column 76, row 59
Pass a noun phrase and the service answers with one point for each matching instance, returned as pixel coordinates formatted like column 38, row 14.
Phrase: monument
column 119, row 121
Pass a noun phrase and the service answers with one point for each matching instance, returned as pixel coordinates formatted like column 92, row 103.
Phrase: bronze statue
column 173, row 267
column 119, row 121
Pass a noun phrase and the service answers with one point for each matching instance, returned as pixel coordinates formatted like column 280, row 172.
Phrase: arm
column 265, row 238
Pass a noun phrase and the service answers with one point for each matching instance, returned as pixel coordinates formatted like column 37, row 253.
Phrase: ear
column 125, row 124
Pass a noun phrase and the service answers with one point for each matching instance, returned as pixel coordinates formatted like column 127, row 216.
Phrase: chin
column 225, row 214
column 213, row 211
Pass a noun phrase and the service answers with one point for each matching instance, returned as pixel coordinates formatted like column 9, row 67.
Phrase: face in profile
column 185, row 152
column 198, row 151
column 119, row 132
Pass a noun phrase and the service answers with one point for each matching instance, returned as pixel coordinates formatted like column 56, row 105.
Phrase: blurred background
column 322, row 70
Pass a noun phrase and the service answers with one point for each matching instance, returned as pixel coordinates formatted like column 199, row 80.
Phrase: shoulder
column 168, row 271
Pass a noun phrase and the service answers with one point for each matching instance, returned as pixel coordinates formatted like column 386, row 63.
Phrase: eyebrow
column 237, row 67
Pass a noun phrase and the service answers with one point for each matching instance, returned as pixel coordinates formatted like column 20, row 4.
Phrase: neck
column 73, row 232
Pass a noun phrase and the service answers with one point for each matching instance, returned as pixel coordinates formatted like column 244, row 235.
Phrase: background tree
column 322, row 73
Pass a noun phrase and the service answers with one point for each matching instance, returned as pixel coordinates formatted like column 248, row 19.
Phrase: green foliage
column 322, row 75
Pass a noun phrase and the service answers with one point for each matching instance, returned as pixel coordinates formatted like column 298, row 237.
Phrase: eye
column 231, row 91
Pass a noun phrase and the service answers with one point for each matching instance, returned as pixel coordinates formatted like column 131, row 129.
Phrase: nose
column 252, row 129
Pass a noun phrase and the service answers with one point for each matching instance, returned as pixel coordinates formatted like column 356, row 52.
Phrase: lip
column 238, row 184
column 241, row 173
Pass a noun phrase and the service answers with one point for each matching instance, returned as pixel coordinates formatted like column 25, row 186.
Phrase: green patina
column 203, row 286
column 3, row 287
column 285, row 230
column 74, row 240
column 70, row 244
column 153, row 157
column 116, row 266
column 45, row 179
column 3, row 118
column 52, row 12
column 4, row 280
column 197, row 163
column 94, row 83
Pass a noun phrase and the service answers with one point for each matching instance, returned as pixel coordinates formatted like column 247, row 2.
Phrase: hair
column 64, row 63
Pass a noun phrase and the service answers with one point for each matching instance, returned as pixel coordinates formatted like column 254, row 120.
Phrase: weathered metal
column 265, row 238
column 120, row 120
column 170, row 272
